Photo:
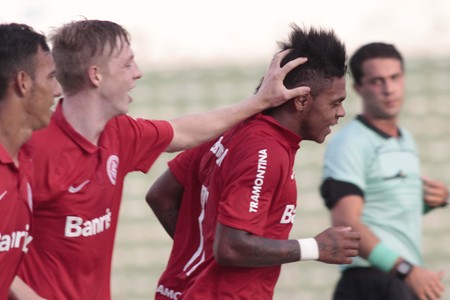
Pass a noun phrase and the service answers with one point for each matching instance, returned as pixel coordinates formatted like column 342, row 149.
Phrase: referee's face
column 382, row 87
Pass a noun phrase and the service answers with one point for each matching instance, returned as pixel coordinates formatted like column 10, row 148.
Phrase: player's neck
column 14, row 131
column 285, row 119
column 12, row 146
column 388, row 126
column 83, row 113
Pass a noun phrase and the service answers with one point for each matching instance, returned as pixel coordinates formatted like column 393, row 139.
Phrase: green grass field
column 142, row 246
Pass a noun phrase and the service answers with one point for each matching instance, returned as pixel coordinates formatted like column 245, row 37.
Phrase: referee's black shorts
column 371, row 284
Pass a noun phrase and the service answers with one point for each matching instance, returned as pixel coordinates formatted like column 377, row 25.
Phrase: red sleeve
column 180, row 165
column 142, row 141
column 255, row 173
column 186, row 163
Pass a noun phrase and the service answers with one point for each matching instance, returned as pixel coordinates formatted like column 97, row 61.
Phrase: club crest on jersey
column 111, row 168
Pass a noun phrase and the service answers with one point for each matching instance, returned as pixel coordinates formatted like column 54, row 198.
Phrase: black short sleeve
column 333, row 190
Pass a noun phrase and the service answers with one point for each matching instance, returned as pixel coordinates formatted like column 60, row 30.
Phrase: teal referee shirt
column 385, row 170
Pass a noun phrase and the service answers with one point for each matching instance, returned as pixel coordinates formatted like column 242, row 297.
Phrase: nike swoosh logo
column 3, row 195
column 75, row 189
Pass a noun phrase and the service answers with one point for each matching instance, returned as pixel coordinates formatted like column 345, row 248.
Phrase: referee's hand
column 426, row 284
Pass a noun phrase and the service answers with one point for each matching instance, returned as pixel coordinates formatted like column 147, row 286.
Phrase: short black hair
column 370, row 51
column 326, row 55
column 19, row 45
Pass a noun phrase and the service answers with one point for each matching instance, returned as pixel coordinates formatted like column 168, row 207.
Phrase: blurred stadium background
column 142, row 246
column 200, row 54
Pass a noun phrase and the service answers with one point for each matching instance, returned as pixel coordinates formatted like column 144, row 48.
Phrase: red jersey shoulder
column 254, row 147
column 126, row 124
column 187, row 163
column 139, row 142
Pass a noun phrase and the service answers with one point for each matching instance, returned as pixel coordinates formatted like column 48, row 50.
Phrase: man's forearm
column 192, row 130
column 19, row 290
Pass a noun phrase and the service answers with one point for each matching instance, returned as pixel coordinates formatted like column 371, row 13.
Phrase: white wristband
column 309, row 250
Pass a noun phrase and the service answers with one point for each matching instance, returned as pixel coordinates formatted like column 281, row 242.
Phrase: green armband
column 383, row 257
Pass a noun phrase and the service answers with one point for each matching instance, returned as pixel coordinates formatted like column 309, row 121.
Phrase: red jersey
column 185, row 168
column 15, row 215
column 245, row 181
column 78, row 191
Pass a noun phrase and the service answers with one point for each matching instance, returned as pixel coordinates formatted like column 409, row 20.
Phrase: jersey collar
column 4, row 156
column 292, row 137
column 383, row 134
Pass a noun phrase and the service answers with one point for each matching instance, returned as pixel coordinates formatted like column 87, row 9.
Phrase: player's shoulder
column 127, row 124
column 406, row 133
column 253, row 148
column 46, row 138
column 256, row 138
column 264, row 130
column 120, row 121
column 250, row 138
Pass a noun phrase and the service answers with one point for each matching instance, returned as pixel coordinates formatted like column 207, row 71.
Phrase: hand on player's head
column 272, row 90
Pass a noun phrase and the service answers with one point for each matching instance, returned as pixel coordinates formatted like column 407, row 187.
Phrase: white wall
column 180, row 32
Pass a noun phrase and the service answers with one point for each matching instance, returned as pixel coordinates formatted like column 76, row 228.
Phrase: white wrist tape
column 309, row 250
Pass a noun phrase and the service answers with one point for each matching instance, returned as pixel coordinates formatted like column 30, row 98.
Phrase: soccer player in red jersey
column 90, row 146
column 27, row 89
column 230, row 204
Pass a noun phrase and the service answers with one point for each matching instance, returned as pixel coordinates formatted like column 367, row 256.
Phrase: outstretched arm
column 347, row 212
column 234, row 247
column 164, row 198
column 193, row 130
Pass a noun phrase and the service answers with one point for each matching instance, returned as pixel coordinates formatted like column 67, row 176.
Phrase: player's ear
column 23, row 83
column 94, row 75
column 301, row 102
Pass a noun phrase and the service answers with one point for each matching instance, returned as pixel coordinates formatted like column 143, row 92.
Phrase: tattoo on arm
column 331, row 246
column 256, row 251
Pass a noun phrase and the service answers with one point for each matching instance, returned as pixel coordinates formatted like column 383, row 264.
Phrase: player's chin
column 125, row 106
column 124, row 111
column 42, row 123
column 321, row 138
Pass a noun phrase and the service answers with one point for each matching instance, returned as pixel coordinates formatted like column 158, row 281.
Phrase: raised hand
column 272, row 91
